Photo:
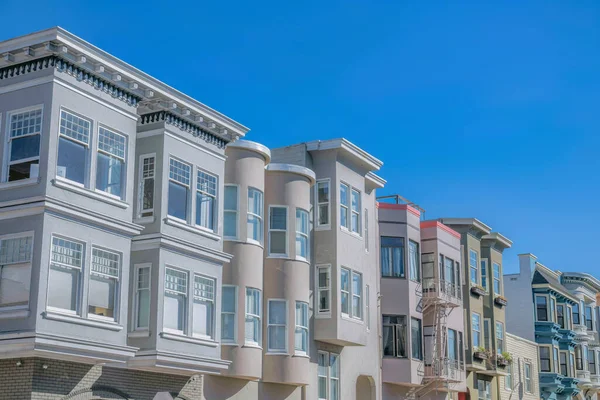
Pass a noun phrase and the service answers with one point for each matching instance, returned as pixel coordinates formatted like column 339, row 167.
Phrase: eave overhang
column 349, row 148
column 586, row 280
column 499, row 241
column 474, row 225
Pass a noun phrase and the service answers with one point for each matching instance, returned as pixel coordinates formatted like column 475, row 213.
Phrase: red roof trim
column 437, row 224
column 391, row 206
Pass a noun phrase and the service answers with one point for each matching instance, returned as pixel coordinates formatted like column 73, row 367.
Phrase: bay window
column 344, row 205
column 579, row 357
column 497, row 278
column 230, row 212
column 229, row 314
column 253, row 334
column 175, row 300
column 476, row 327
column 392, row 257
column 413, row 259
column 484, row 281
column 355, row 219
column 110, row 163
column 473, row 266
column 345, row 290
column 302, row 241
column 64, row 279
column 301, row 332
column 24, row 135
column 103, row 283
column 356, row 295
column 394, row 336
column 541, row 305
column 277, row 231
column 552, row 309
column 499, row 337
column 142, row 297
column 592, row 361
column 323, row 203
column 277, row 326
column 555, row 364
column 204, row 307
column 15, row 271
column 564, row 364
column 206, row 200
column 147, row 175
column 351, row 293
column 545, row 363
column 255, row 215
column 588, row 318
column 576, row 319
column 328, row 376
column 323, row 289
column 73, row 147
column 560, row 315
column 179, row 187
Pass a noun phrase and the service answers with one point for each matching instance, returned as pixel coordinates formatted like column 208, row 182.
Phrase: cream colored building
column 522, row 381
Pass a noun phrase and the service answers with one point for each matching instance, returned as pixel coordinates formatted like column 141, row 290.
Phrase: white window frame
column 356, row 212
column 88, row 156
column 477, row 331
column 257, row 216
column 271, row 350
column 235, row 212
column 234, row 313
column 285, row 231
column 345, row 207
column 476, row 267
column 346, row 292
column 354, row 295
column 215, row 198
column 366, row 230
column 483, row 263
column 319, row 226
column 302, row 327
column 106, row 276
column 8, row 142
column 498, row 279
column 189, row 205
column 211, row 334
column 324, row 313
column 136, row 300
column 186, row 312
column 329, row 377
column 257, row 316
column 142, row 185
column 124, row 159
column 528, row 380
column 305, row 235
column 26, row 264
column 500, row 340
column 84, row 251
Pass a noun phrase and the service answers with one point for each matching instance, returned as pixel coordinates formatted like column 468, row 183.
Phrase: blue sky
column 476, row 110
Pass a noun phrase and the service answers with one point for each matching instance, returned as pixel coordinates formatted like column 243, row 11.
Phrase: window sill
column 14, row 314
column 182, row 225
column 20, row 183
column 323, row 315
column 276, row 353
column 75, row 188
column 353, row 234
column 280, row 256
column 230, row 344
column 251, row 346
column 187, row 339
column 144, row 220
column 355, row 320
column 138, row 334
column 301, row 355
column 82, row 321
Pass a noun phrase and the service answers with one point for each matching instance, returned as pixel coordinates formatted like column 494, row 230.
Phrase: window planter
column 480, row 355
column 501, row 301
column 502, row 362
column 477, row 291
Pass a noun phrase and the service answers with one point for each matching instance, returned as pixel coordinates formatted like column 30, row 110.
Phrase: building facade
column 522, row 379
column 563, row 308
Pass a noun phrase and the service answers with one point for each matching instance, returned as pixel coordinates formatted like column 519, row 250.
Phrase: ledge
column 19, row 183
column 81, row 321
column 14, row 314
column 181, row 225
column 67, row 185
column 138, row 334
column 187, row 339
column 144, row 220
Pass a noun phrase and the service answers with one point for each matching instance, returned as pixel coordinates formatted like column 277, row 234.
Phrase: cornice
column 252, row 146
column 172, row 119
column 474, row 226
column 439, row 225
column 349, row 148
column 375, row 181
column 293, row 169
column 158, row 240
column 582, row 278
column 498, row 241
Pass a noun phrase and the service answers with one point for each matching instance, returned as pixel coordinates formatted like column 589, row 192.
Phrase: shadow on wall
column 220, row 388
column 365, row 388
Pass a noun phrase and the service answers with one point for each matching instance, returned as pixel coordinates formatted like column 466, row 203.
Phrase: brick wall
column 69, row 380
column 523, row 351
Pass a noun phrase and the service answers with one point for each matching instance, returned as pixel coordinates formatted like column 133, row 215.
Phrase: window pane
column 14, row 284
column 143, row 309
column 228, row 304
column 278, row 218
column 74, row 127
column 26, row 123
column 355, row 201
column 174, row 311
column 109, row 174
column 25, row 147
column 334, row 366
column 71, row 160
column 344, row 279
column 202, row 318
column 323, row 214
column 179, row 172
column 323, row 192
column 228, row 327
column 178, row 199
column 277, row 242
column 344, row 194
column 301, row 339
column 344, row 217
column 277, row 313
column 301, row 246
column 277, row 338
column 207, row 183
column 229, row 224
column 101, row 297
column 111, row 143
column 252, row 333
column 255, row 228
column 148, row 199
column 416, row 338
column 205, row 210
column 255, row 202
column 356, row 284
column 63, row 287
column 231, row 198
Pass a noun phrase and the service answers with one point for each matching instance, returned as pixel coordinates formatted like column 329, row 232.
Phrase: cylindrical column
column 287, row 274
column 243, row 225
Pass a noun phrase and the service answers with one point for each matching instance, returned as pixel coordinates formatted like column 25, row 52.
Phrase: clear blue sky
column 489, row 111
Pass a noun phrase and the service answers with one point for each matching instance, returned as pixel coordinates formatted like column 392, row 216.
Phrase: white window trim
column 117, row 279
column 327, row 226
column 142, row 185
column 19, row 235
column 360, row 296
column 346, row 207
column 211, row 336
column 503, row 339
column 190, row 193
column 328, row 377
column 477, row 266
column 124, row 159
column 528, row 378
column 306, row 328
column 260, row 217
column 78, row 300
column 89, row 159
column 484, row 265
column 215, row 212
column 351, row 295
column 306, row 235
column 479, row 332
column 499, row 279
column 235, row 315
column 8, row 146
column 186, row 314
column 236, row 212
column 259, row 316
column 286, row 230
column 135, row 313
column 358, row 213
column 285, row 326
column 323, row 314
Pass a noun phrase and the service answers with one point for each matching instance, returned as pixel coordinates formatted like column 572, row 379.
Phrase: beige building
column 521, row 381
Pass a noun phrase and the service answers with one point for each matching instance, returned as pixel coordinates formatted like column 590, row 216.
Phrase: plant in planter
column 478, row 290
column 480, row 353
column 504, row 359
column 501, row 301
